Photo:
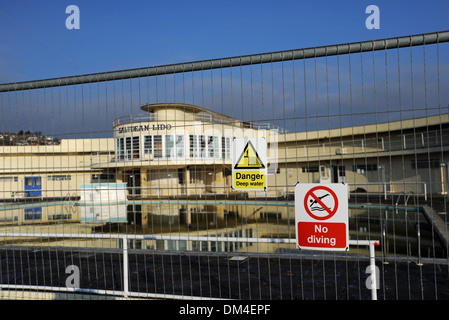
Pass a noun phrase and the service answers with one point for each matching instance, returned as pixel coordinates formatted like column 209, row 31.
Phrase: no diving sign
column 321, row 216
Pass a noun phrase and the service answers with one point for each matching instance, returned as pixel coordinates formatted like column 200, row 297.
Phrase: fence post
column 372, row 259
column 425, row 191
column 125, row 266
column 385, row 247
column 418, row 236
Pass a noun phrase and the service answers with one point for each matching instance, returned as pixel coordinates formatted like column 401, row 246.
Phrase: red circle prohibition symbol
column 329, row 211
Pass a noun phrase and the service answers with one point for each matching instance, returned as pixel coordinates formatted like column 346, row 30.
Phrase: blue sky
column 115, row 35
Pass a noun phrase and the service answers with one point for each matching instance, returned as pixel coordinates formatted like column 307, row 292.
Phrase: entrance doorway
column 339, row 174
column 133, row 182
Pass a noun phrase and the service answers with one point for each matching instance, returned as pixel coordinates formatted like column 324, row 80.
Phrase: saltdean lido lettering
column 145, row 127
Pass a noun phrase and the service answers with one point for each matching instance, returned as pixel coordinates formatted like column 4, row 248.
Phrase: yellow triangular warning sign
column 249, row 159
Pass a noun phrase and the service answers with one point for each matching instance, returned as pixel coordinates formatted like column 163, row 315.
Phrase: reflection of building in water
column 209, row 222
column 42, row 214
column 210, row 228
column 179, row 151
column 215, row 221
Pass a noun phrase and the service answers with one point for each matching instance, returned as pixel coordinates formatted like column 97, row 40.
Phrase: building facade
column 180, row 150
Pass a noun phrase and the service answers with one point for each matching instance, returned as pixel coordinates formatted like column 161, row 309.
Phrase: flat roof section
column 381, row 127
column 210, row 116
column 196, row 114
column 182, row 106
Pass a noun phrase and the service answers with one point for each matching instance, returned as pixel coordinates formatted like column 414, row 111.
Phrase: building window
column 174, row 146
column 225, row 148
column 9, row 179
column 193, row 146
column 136, row 148
column 153, row 145
column 148, row 145
column 33, row 214
column 128, row 148
column 362, row 168
column 103, row 177
column 216, row 147
column 169, row 152
column 212, row 146
column 311, row 169
column 157, row 147
column 202, row 146
column 60, row 217
column 28, row 181
column 120, row 149
column 426, row 164
column 132, row 148
column 62, row 177
column 179, row 146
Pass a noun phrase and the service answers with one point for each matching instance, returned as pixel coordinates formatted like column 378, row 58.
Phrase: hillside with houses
column 26, row 139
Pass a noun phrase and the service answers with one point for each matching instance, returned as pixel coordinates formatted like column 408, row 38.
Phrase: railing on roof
column 203, row 118
column 268, row 126
column 134, row 118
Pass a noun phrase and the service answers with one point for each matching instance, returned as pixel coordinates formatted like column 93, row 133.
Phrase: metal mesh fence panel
column 120, row 184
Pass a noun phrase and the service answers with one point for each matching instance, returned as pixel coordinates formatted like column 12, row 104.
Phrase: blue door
column 33, row 186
